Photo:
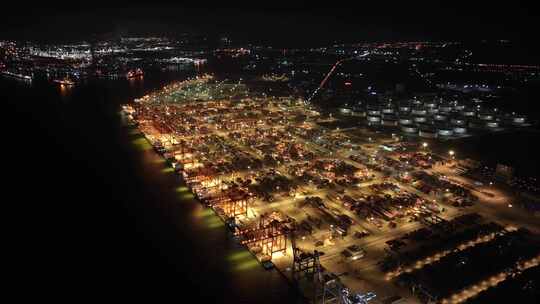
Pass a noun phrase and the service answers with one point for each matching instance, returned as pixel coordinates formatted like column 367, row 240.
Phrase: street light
column 425, row 145
column 451, row 152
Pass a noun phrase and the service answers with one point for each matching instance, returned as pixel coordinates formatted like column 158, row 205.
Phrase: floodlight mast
column 332, row 70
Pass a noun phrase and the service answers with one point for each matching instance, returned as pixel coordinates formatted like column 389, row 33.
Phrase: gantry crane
column 233, row 202
column 270, row 235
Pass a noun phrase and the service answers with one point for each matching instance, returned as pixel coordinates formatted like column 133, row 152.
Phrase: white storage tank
column 430, row 104
column 420, row 119
column 460, row 130
column 374, row 119
column 345, row 110
column 519, row 120
column 428, row 133
column 405, row 121
column 485, row 116
column 419, row 112
column 458, row 121
column 439, row 117
column 389, row 122
column 409, row 129
column 445, row 108
column 492, row 124
column 360, row 113
column 445, row 132
column 468, row 113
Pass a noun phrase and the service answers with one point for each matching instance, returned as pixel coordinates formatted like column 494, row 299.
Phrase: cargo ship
column 134, row 73
column 17, row 76
column 65, row 82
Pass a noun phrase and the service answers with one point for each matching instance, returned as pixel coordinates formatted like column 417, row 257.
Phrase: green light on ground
column 242, row 260
column 186, row 196
column 167, row 170
column 182, row 189
column 209, row 219
column 247, row 265
column 142, row 144
column 203, row 213
column 214, row 222
column 158, row 160
column 239, row 255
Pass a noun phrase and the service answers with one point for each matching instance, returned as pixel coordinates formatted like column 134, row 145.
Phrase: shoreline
column 290, row 282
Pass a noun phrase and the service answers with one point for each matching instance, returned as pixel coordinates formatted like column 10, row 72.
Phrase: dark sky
column 310, row 23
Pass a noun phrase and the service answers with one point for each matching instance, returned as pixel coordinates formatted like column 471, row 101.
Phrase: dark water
column 114, row 223
column 519, row 149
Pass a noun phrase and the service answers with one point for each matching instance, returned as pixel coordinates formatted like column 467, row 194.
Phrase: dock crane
column 332, row 70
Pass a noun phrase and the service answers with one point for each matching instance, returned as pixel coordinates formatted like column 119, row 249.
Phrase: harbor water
column 127, row 227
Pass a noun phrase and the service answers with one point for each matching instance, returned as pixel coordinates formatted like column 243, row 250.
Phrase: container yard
column 346, row 213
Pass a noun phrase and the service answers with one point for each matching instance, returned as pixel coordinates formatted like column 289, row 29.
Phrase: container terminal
column 347, row 214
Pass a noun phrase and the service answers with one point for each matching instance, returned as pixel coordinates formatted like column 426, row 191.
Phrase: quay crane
column 332, row 70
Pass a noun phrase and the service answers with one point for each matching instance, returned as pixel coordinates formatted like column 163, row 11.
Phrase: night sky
column 307, row 24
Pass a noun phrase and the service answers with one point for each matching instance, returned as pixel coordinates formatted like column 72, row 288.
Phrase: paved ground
column 362, row 275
